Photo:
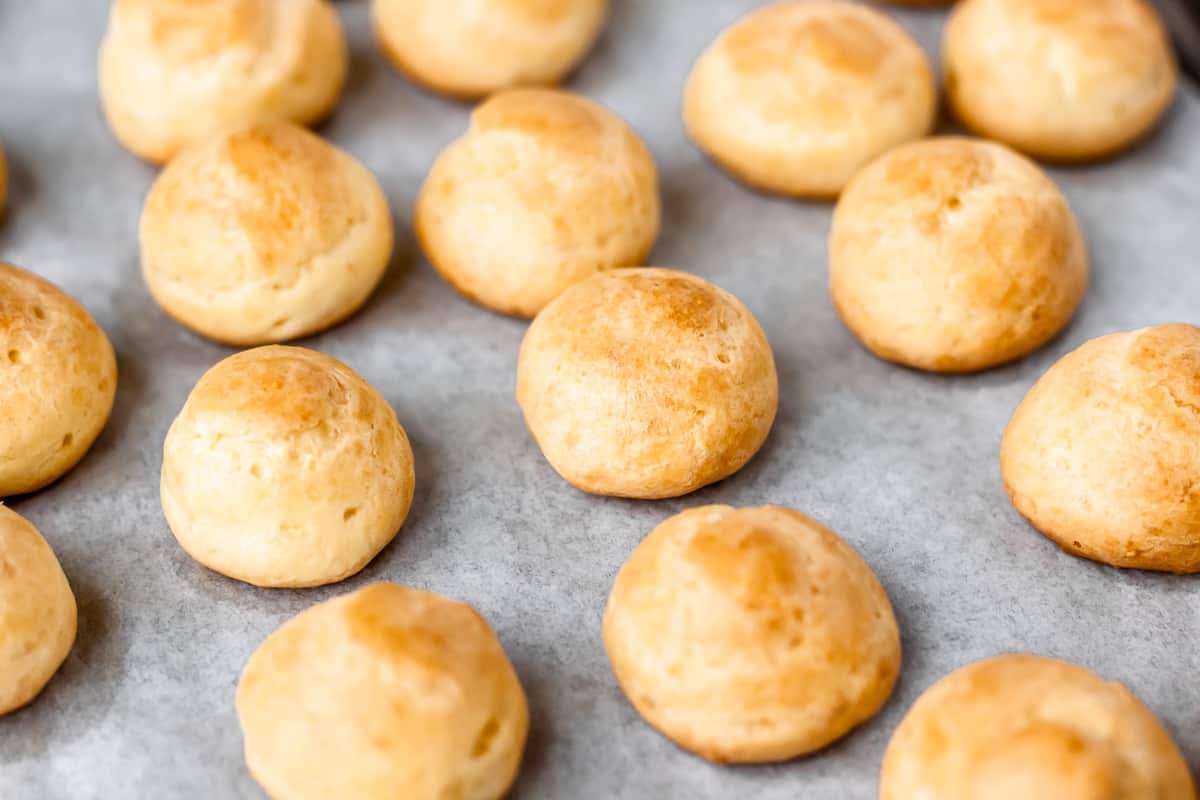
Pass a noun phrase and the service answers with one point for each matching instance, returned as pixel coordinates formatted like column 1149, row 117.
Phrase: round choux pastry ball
column 264, row 234
column 646, row 383
column 285, row 468
column 750, row 635
column 796, row 96
column 1022, row 726
column 37, row 612
column 383, row 690
column 1064, row 80
column 953, row 254
column 1102, row 454
column 471, row 48
column 58, row 378
column 579, row 191
column 175, row 72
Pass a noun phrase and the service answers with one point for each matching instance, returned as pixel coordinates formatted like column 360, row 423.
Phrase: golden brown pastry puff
column 646, row 383
column 1065, row 80
column 384, row 693
column 797, row 95
column 1022, row 727
column 175, row 72
column 1102, row 455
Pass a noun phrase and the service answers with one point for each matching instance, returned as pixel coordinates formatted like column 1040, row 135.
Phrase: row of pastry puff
column 58, row 378
column 580, row 195
column 794, row 98
column 798, row 95
column 265, row 233
column 174, row 72
column 743, row 635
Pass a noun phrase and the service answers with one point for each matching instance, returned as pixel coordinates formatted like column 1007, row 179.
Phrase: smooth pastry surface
column 646, row 383
column 285, row 468
column 546, row 189
column 37, row 612
column 954, row 254
column 1102, row 454
column 798, row 95
column 750, row 635
column 175, row 72
column 471, row 48
column 383, row 691
column 264, row 234
column 1023, row 726
column 58, row 378
column 1063, row 80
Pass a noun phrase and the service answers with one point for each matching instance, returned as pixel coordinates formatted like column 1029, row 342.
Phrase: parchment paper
column 901, row 464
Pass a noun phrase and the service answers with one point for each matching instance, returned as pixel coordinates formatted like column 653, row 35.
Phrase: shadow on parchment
column 81, row 693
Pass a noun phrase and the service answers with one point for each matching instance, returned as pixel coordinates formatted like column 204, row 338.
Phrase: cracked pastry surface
column 545, row 189
column 1023, row 726
column 58, row 378
column 646, row 383
column 1065, row 80
column 1103, row 454
column 750, row 635
column 264, row 234
column 285, row 468
column 175, row 72
column 954, row 254
column 471, row 48
column 797, row 95
column 37, row 612
column 383, row 690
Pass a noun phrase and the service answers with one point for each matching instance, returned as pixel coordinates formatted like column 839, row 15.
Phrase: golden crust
column 646, row 383
column 264, row 234
column 1021, row 726
column 953, row 254
column 1064, row 80
column 37, row 612
column 386, row 689
column 1102, row 454
column 59, row 378
column 798, row 95
column 468, row 49
column 285, row 468
column 175, row 72
column 750, row 635
column 577, row 189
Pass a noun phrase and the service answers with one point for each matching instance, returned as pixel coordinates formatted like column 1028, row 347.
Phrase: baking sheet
column 903, row 465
